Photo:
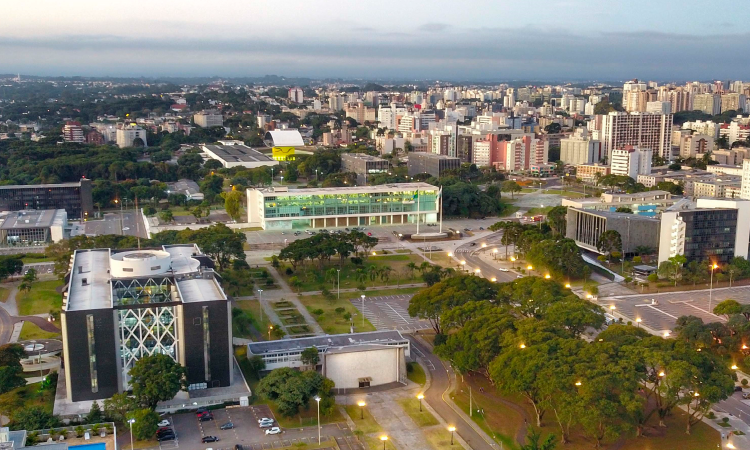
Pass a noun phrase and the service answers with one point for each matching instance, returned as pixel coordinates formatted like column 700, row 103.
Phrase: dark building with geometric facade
column 74, row 198
column 434, row 164
column 121, row 306
column 586, row 226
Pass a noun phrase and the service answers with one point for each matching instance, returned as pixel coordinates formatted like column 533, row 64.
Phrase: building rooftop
column 362, row 156
column 34, row 186
column 431, row 155
column 383, row 188
column 34, row 219
column 284, row 138
column 184, row 186
column 618, row 215
column 236, row 153
column 335, row 340
column 89, row 286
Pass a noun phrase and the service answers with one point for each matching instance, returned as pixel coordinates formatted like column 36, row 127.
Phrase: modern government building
column 121, row 306
column 281, row 208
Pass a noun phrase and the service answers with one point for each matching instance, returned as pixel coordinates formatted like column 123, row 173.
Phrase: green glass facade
column 342, row 204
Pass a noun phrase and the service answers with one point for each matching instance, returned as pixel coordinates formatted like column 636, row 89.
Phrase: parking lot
column 390, row 313
column 112, row 224
column 246, row 432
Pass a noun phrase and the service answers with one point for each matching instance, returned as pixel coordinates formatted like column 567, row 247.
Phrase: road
column 6, row 326
column 469, row 253
column 736, row 406
column 435, row 396
column 112, row 224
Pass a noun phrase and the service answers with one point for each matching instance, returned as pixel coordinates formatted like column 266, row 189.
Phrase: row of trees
column 526, row 337
column 678, row 269
column 324, row 246
column 292, row 390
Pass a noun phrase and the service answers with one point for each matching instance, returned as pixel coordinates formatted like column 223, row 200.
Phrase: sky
column 428, row 39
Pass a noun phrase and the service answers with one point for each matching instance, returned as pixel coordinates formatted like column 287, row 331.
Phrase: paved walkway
column 292, row 297
column 399, row 426
column 374, row 288
column 11, row 322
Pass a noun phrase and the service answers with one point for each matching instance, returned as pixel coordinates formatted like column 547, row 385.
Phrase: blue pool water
column 98, row 446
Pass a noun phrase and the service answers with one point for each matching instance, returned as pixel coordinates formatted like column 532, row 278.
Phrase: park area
column 43, row 298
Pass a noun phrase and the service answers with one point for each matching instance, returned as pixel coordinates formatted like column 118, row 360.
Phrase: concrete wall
column 384, row 366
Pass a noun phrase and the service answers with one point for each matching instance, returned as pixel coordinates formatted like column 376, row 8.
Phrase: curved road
column 466, row 252
column 435, row 396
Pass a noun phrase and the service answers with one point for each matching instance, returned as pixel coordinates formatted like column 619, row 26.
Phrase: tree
column 310, row 356
column 145, row 423
column 511, row 186
column 10, row 367
column 156, row 378
column 95, row 414
column 609, row 243
column 256, row 365
column 556, row 219
column 291, row 390
column 534, row 438
column 33, row 418
column 166, row 216
column 10, row 265
column 672, row 268
column 117, row 407
column 233, row 204
column 10, row 378
column 728, row 307
column 221, row 243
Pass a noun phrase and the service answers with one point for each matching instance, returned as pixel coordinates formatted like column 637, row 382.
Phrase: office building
column 707, row 103
column 351, row 360
column 588, row 172
column 74, row 198
column 649, row 203
column 580, row 148
column 119, row 307
column 188, row 188
column 644, row 130
column 715, row 230
column 363, row 165
column 435, row 165
column 73, row 132
column 296, row 95
column 238, row 156
column 586, row 226
column 723, row 187
column 631, row 161
column 520, row 153
column 659, row 107
column 732, row 101
column 208, row 119
column 281, row 208
column 30, row 227
column 127, row 135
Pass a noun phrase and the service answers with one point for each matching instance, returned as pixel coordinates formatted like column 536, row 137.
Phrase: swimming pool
column 97, row 446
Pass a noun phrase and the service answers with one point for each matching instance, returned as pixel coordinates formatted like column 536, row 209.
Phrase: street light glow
column 734, row 367
column 494, row 250
column 529, row 267
column 612, row 307
column 661, row 374
column 493, row 279
column 638, row 320
column 477, row 270
column 567, row 285
column 450, row 254
column 420, row 396
column 484, row 245
column 361, row 404
column 715, row 266
column 523, row 346
column 744, row 347
column 451, row 428
column 512, row 258
column 463, row 263
column 547, row 276
column 666, row 334
column 383, row 438
column 578, row 383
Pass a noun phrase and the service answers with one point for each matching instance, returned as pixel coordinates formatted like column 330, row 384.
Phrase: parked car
column 201, row 410
column 369, row 233
column 237, row 447
column 266, row 424
column 209, row 439
column 163, row 423
column 227, row 426
column 165, row 433
column 274, row 430
column 503, row 269
column 265, row 419
column 206, row 417
column 163, row 429
column 166, row 437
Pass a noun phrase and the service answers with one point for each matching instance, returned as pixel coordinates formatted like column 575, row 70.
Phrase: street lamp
column 711, row 290
column 363, row 312
column 522, row 345
column 666, row 334
column 450, row 254
column 547, row 276
column 484, row 245
column 317, row 400
column 362, row 409
column 260, row 304
column 282, row 180
column 338, row 284
column 131, row 422
column 493, row 279
column 734, row 367
column 270, row 327
column 476, row 271
column 494, row 254
column 578, row 383
column 420, row 396
column 529, row 267
column 638, row 321
column 463, row 263
column 567, row 285
column 612, row 307
column 383, row 438
column 451, row 429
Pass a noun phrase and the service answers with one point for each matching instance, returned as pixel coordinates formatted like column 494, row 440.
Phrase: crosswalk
column 390, row 313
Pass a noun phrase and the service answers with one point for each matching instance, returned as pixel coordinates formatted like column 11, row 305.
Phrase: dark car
column 209, row 439
column 237, row 447
column 201, row 410
column 163, row 429
column 227, row 426
column 206, row 417
column 738, row 389
column 166, row 437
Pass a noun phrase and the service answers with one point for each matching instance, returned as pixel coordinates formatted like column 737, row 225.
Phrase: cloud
column 433, row 27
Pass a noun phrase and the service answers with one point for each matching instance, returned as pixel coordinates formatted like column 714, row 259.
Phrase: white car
column 163, row 423
column 274, row 430
column 265, row 419
column 502, row 269
column 265, row 424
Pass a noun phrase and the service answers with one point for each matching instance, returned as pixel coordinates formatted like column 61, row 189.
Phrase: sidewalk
column 292, row 297
column 374, row 288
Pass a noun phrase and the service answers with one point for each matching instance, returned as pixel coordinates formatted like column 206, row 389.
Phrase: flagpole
column 441, row 209
column 417, row 210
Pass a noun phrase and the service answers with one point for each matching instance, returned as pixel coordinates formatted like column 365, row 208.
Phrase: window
column 155, row 267
column 206, row 345
column 92, row 353
column 127, row 269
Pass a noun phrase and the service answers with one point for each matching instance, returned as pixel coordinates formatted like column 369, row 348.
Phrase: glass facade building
column 282, row 208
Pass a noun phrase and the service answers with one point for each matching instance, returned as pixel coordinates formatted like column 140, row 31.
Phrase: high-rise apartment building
column 659, row 107
column 707, row 103
column 732, row 101
column 695, row 145
column 580, row 148
column 296, row 95
column 522, row 152
column 631, row 161
column 128, row 133
column 645, row 130
column 73, row 132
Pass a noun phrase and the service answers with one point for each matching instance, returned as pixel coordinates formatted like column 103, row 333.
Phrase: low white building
column 238, row 156
column 631, row 161
column 127, row 134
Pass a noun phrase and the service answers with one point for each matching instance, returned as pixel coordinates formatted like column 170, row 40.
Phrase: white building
column 480, row 154
column 631, row 161
column 708, row 128
column 580, row 148
column 647, row 130
column 238, row 156
column 208, row 119
column 659, row 107
column 129, row 133
column 296, row 95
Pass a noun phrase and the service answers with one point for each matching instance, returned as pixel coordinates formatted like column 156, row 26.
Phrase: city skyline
column 478, row 40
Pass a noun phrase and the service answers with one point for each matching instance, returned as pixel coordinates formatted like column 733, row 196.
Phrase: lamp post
column 282, row 180
column 131, row 422
column 540, row 219
column 117, row 201
column 271, row 175
column 711, row 290
column 452, row 429
column 270, row 327
column 317, row 400
column 384, row 438
column 420, row 396
column 338, row 284
column 638, row 321
column 362, row 409
column 260, row 303
column 316, row 175
column 363, row 312
column 494, row 254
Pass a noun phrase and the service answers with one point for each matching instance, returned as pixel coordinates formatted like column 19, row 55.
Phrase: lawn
column 374, row 443
column 422, row 418
column 538, row 211
column 30, row 395
column 31, row 258
column 4, row 292
column 564, row 193
column 31, row 331
column 312, row 278
column 41, row 299
column 330, row 320
column 252, row 307
column 416, row 374
column 368, row 425
column 440, row 439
